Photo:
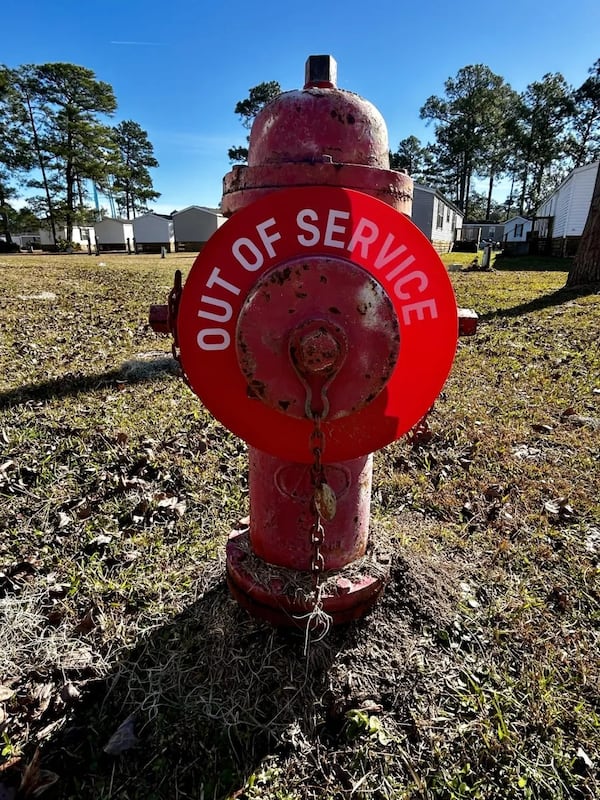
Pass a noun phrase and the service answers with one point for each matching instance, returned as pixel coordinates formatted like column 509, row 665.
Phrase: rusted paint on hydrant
column 319, row 324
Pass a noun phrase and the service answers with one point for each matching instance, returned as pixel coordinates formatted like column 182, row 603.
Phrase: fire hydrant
column 318, row 324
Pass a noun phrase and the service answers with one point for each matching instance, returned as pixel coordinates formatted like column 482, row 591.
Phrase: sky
column 178, row 68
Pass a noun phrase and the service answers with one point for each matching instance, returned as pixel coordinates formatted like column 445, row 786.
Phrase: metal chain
column 318, row 621
column 173, row 310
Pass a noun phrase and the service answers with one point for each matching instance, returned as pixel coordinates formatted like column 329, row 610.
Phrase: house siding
column 568, row 207
column 81, row 235
column 114, row 234
column 153, row 232
column 435, row 217
column 194, row 226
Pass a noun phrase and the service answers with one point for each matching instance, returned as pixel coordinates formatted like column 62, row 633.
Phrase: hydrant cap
column 319, row 123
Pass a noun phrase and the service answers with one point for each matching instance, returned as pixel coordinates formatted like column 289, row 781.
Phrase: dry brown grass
column 477, row 674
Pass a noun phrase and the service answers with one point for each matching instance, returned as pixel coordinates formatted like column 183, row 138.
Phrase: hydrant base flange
column 285, row 597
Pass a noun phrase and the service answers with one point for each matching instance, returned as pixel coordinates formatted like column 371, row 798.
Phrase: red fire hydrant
column 319, row 325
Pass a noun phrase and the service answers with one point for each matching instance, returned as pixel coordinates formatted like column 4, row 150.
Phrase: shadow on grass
column 556, row 298
column 212, row 693
column 71, row 384
column 532, row 264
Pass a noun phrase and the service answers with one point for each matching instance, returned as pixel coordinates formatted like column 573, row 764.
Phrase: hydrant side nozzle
column 320, row 72
column 158, row 318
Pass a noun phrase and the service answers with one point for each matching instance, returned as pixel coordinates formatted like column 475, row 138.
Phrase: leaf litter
column 477, row 668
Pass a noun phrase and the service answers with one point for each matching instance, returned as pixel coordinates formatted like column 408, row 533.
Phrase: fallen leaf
column 101, row 540
column 35, row 781
column 5, row 693
column 63, row 519
column 123, row 738
column 86, row 624
column 70, row 693
column 585, row 758
column 539, row 428
column 559, row 508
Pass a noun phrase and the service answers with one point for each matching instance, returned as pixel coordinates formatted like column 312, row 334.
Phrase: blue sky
column 178, row 68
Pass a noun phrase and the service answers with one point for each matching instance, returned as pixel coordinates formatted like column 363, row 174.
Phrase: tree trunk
column 4, row 220
column 38, row 152
column 488, row 207
column 586, row 264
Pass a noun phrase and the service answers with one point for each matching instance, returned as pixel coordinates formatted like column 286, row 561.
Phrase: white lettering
column 365, row 233
column 400, row 268
column 301, row 222
column 215, row 280
column 412, row 276
column 251, row 266
column 227, row 310
column 384, row 257
column 265, row 238
column 213, row 339
column 419, row 310
column 332, row 228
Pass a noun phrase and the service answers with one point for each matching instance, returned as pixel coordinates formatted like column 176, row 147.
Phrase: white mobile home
column 82, row 236
column 562, row 217
column 436, row 216
column 194, row 226
column 153, row 232
column 515, row 240
column 114, row 234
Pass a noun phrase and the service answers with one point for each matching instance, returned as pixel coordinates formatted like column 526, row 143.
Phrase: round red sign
column 308, row 270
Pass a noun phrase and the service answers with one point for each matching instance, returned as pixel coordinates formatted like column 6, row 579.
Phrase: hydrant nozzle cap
column 320, row 72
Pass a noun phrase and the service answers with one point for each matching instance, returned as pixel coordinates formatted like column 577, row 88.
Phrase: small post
column 163, row 252
column 128, row 247
column 487, row 254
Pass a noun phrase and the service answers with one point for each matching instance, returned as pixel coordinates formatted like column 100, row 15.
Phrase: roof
column 116, row 219
column 214, row 211
column 514, row 219
column 152, row 214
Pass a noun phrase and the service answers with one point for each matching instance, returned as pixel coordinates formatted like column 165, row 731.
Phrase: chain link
column 318, row 621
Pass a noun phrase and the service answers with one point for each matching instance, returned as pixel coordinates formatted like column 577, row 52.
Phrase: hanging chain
column 323, row 507
column 173, row 309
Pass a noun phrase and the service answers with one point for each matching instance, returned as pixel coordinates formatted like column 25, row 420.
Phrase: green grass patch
column 476, row 676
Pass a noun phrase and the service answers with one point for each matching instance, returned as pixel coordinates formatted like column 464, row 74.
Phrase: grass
column 476, row 676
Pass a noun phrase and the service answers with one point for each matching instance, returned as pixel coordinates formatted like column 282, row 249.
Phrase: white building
column 515, row 240
column 560, row 220
column 153, row 232
column 437, row 217
column 194, row 226
column 114, row 234
column 82, row 237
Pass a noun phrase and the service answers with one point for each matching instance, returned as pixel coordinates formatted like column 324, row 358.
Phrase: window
column 440, row 215
column 447, row 213
column 518, row 231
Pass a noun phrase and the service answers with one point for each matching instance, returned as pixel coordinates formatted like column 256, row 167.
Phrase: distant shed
column 153, row 232
column 114, row 234
column 194, row 226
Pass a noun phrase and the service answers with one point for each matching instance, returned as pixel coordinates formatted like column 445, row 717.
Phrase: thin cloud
column 149, row 44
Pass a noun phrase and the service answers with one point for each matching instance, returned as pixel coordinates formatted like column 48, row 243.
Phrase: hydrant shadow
column 211, row 693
